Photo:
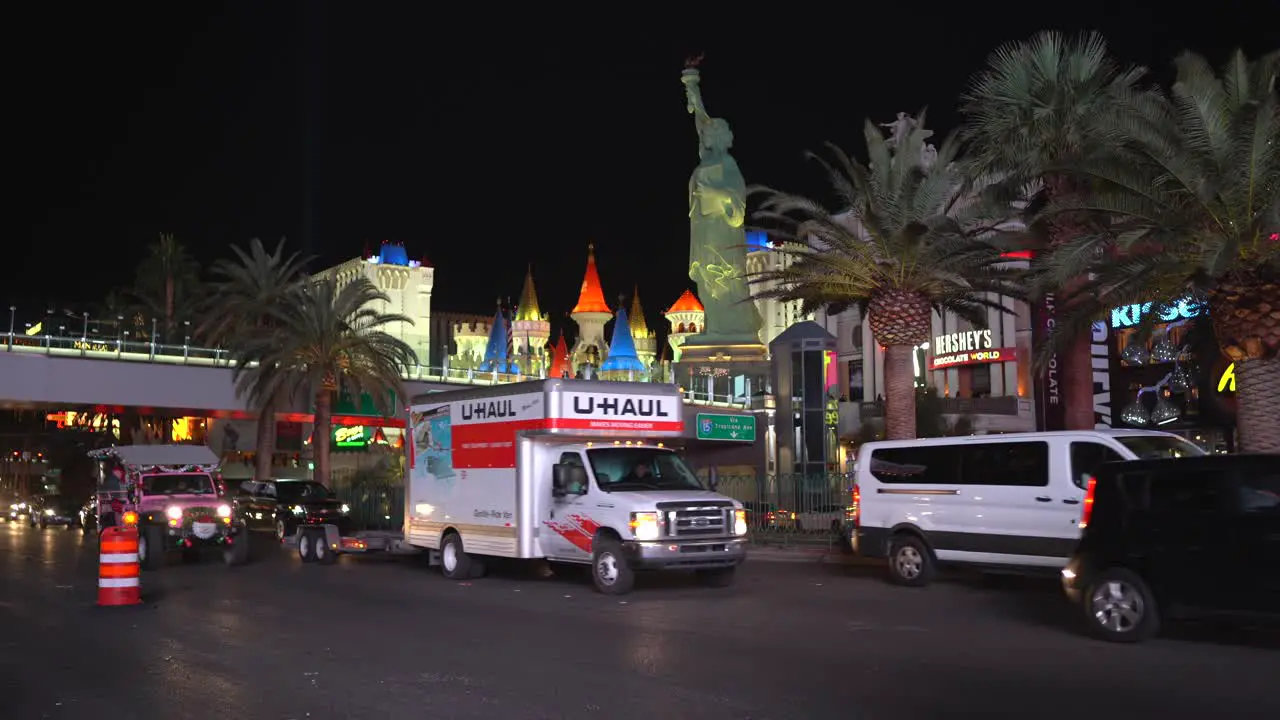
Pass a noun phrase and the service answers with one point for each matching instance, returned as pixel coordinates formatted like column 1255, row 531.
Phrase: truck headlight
column 224, row 511
column 174, row 512
column 644, row 525
column 739, row 522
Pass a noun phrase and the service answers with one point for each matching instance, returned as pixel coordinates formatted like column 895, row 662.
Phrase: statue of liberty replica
column 717, row 237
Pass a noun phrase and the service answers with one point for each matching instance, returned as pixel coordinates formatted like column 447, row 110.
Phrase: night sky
column 482, row 142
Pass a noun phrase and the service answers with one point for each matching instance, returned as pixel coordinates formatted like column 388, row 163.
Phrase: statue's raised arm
column 691, row 78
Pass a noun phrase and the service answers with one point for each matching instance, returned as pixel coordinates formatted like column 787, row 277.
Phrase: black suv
column 1199, row 533
column 285, row 505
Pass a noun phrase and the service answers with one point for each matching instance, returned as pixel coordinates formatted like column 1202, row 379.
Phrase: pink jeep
column 179, row 501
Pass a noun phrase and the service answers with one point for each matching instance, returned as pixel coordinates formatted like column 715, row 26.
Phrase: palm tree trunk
column 323, row 432
column 900, row 393
column 1076, row 377
column 266, row 441
column 1257, row 397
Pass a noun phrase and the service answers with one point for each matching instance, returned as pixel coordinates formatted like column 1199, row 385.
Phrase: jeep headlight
column 224, row 511
column 739, row 522
column 174, row 512
column 298, row 510
column 345, row 508
column 644, row 525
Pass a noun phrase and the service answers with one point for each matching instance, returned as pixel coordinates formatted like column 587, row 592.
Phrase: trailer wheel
column 610, row 570
column 324, row 554
column 305, row 543
column 455, row 563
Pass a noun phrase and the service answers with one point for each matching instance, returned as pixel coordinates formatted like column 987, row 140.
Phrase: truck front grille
column 695, row 519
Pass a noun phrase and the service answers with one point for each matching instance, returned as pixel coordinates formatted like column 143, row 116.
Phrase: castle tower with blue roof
column 623, row 363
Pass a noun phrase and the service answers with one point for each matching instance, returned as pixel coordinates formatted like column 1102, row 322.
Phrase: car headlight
column 174, row 512
column 345, row 508
column 298, row 510
column 644, row 525
column 49, row 513
column 224, row 511
column 739, row 522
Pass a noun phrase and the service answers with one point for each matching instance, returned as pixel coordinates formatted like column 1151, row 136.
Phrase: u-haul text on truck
column 567, row 470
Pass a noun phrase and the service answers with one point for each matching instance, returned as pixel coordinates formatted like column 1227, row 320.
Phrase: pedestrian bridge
column 78, row 372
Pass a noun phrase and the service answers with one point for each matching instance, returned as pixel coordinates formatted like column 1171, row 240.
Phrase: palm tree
column 327, row 338
column 1198, row 213
column 1038, row 108
column 911, row 244
column 167, row 285
column 247, row 295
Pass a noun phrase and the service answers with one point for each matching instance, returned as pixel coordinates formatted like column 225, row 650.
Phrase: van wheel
column 455, row 564
column 1120, row 607
column 910, row 562
column 610, row 570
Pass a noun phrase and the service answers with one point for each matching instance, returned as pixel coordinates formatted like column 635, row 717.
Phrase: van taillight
column 1087, row 511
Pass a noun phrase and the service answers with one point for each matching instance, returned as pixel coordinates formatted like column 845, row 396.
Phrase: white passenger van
column 1011, row 500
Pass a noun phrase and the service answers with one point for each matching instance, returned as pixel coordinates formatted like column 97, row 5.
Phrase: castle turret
column 497, row 354
column 686, row 317
column 530, row 330
column 646, row 340
column 470, row 339
column 622, row 363
column 590, row 314
column 560, row 360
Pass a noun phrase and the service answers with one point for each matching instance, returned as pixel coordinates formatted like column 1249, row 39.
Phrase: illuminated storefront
column 1174, row 379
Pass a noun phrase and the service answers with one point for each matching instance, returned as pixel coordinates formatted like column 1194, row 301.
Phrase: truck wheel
column 609, row 568
column 238, row 552
column 150, row 548
column 305, row 542
column 455, row 564
column 282, row 530
column 1119, row 606
column 717, row 577
column 320, row 548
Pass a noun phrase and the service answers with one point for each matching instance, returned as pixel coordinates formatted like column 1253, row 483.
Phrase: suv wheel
column 910, row 562
column 1120, row 607
column 282, row 530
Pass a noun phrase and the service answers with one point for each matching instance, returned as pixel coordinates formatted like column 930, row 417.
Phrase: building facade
column 407, row 284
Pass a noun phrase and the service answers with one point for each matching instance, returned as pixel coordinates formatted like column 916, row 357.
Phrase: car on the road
column 764, row 516
column 828, row 517
column 89, row 515
column 54, row 510
column 1010, row 501
column 1199, row 534
column 283, row 506
column 19, row 509
column 174, row 493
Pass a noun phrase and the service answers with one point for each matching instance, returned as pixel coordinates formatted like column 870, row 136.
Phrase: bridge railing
column 123, row 348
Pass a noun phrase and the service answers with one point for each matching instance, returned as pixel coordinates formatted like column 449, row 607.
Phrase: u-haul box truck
column 568, row 470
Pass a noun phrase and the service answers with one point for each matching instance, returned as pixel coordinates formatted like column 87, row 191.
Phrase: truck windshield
column 178, row 484
column 1154, row 447
column 301, row 491
column 629, row 469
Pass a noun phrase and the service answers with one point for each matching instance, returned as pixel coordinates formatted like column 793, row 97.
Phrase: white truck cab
column 567, row 470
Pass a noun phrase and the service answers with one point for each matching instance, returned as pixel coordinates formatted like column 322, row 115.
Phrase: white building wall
column 409, row 293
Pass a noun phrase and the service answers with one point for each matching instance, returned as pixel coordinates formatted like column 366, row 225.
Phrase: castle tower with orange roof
column 590, row 314
column 686, row 317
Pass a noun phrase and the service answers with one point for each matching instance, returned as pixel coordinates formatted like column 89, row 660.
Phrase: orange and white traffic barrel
column 118, row 582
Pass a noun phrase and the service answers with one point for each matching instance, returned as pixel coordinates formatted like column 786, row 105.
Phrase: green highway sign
column 739, row 428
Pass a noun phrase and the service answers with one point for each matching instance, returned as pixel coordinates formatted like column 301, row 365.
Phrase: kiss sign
column 1131, row 315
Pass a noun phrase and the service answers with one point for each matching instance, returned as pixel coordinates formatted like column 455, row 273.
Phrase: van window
column 1019, row 464
column 921, row 465
column 1087, row 459
column 1155, row 447
column 1260, row 494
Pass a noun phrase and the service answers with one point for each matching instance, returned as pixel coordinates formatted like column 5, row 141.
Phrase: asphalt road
column 392, row 639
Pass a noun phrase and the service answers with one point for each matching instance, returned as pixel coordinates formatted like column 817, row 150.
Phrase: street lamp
column 84, row 336
column 13, row 309
column 186, row 342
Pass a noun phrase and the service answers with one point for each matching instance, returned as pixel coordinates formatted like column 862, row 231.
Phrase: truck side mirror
column 559, row 480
